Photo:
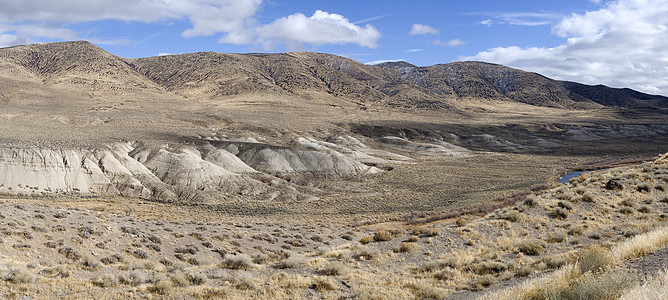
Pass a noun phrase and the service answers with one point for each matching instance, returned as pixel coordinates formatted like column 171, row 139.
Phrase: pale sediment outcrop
column 218, row 169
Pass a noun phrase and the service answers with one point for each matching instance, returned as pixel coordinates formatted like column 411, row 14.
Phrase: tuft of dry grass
column 238, row 261
column 641, row 245
column 531, row 247
column 595, row 260
column 382, row 236
column 365, row 240
column 654, row 289
column 407, row 247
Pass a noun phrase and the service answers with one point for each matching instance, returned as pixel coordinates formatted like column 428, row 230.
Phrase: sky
column 619, row 43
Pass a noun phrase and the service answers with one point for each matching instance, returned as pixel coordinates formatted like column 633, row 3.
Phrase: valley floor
column 126, row 248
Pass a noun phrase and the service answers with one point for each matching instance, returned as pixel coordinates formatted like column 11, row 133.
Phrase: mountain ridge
column 211, row 75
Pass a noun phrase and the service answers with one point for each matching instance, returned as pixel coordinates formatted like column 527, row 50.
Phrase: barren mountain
column 490, row 81
column 210, row 127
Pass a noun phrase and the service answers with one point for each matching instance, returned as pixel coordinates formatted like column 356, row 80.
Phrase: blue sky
column 620, row 43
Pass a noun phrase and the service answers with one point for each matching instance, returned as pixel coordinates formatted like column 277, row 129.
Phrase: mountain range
column 84, row 69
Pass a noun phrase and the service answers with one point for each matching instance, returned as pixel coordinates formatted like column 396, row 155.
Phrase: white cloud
column 415, row 50
column 421, row 29
column 450, row 43
column 519, row 18
column 321, row 28
column 233, row 20
column 622, row 44
column 529, row 19
column 376, row 62
column 38, row 17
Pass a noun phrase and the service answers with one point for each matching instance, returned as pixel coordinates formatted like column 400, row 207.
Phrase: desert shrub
column 559, row 213
column 447, row 274
column 557, row 237
column 531, row 200
column 433, row 232
column 188, row 249
column 162, row 287
column 643, row 187
column 588, row 197
column 483, row 282
column 295, row 260
column 554, row 261
column 365, row 240
column 576, row 230
column 565, row 196
column 56, row 271
column 322, row 284
column 407, row 247
column 628, row 202
column 112, row 259
column 626, row 210
column 488, row 267
column 244, row 281
column 594, row 260
column 383, row 235
column 664, row 200
column 86, row 231
column 90, row 262
column 423, row 290
column 18, row 274
column 531, row 247
column 413, row 239
column 461, row 221
column 511, row 215
column 238, row 261
column 614, row 185
column 69, row 252
column 366, row 253
column 565, row 205
column 179, row 279
column 134, row 278
column 333, row 269
column 645, row 209
column 154, row 239
column 660, row 187
column 608, row 285
column 524, row 271
column 105, row 280
column 434, row 265
column 140, row 253
column 196, row 278
column 261, row 258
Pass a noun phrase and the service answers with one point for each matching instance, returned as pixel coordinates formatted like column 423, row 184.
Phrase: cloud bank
column 25, row 21
column 622, row 44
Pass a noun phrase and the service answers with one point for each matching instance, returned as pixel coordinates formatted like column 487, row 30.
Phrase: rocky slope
column 491, row 81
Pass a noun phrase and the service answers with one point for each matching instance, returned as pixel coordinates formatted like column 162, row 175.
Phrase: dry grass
column 641, row 245
column 595, row 275
column 654, row 289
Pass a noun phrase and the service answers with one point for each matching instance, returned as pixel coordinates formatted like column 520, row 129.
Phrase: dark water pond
column 565, row 179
